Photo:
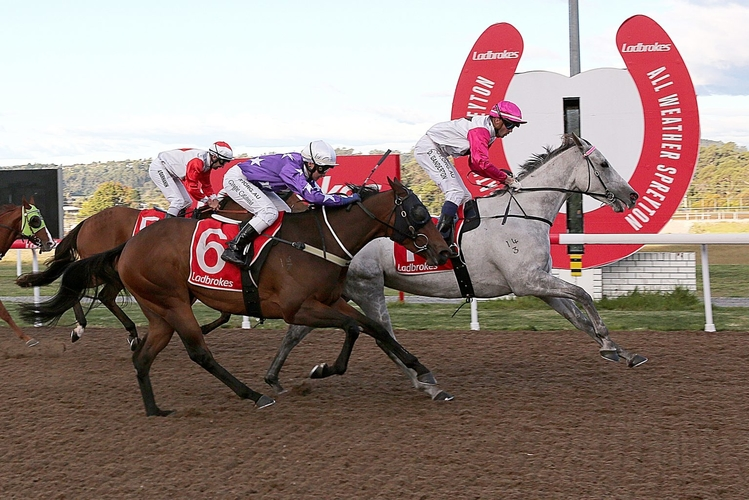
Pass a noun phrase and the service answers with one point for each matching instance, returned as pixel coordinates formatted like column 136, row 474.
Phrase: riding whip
column 387, row 153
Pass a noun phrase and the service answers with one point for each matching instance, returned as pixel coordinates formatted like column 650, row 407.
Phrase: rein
column 413, row 226
column 608, row 195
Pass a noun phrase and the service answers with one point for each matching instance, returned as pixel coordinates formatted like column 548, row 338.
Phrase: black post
column 572, row 125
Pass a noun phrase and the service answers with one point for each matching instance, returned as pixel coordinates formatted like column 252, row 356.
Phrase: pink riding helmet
column 507, row 110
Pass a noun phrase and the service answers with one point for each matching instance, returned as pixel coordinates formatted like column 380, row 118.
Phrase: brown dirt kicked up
column 535, row 415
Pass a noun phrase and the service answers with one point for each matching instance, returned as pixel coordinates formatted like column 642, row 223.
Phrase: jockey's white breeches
column 173, row 189
column 264, row 205
column 441, row 171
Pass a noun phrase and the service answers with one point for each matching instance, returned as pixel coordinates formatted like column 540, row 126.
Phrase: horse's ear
column 576, row 139
column 396, row 185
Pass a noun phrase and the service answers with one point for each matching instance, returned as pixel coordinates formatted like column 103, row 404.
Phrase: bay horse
column 299, row 282
column 103, row 231
column 509, row 252
column 22, row 221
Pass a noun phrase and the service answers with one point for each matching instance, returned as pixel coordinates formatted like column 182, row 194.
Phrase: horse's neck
column 10, row 221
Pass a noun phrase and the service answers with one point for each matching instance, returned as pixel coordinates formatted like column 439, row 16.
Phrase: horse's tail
column 66, row 252
column 78, row 278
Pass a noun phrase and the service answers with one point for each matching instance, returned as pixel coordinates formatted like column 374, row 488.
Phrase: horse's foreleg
column 5, row 316
column 293, row 336
column 574, row 315
column 222, row 320
column 374, row 306
column 341, row 363
column 388, row 343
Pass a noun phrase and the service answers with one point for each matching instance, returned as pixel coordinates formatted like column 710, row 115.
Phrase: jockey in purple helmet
column 253, row 184
column 465, row 136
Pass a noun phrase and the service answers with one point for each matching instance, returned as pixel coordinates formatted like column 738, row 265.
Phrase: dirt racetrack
column 535, row 415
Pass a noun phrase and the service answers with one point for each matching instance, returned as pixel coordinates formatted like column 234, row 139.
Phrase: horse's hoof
column 276, row 386
column 160, row 413
column 427, row 378
column 609, row 355
column 74, row 337
column 318, row 371
column 443, row 396
column 133, row 342
column 264, row 401
column 637, row 360
column 32, row 343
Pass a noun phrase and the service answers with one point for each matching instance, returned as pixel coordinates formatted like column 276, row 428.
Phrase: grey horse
column 509, row 252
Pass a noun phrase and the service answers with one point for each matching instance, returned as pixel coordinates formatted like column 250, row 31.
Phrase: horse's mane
column 537, row 160
column 364, row 191
column 7, row 208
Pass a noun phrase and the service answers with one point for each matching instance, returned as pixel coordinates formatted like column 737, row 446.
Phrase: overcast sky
column 98, row 80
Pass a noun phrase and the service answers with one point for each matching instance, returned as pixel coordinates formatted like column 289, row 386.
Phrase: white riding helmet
column 319, row 153
column 222, row 150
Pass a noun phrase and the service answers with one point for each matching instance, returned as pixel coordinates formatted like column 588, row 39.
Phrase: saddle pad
column 146, row 218
column 208, row 243
column 406, row 262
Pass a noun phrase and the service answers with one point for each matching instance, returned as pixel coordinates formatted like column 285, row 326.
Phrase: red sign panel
column 353, row 169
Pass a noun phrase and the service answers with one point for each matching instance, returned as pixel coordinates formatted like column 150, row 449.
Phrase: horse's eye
column 35, row 222
column 605, row 164
column 420, row 214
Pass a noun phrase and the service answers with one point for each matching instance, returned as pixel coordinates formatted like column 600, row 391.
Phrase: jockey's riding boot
column 168, row 215
column 469, row 210
column 446, row 225
column 234, row 252
column 182, row 213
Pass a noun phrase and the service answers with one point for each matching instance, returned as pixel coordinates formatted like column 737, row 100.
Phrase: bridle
column 31, row 223
column 608, row 195
column 410, row 216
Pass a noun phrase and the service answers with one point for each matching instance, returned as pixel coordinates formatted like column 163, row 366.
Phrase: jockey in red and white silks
column 253, row 184
column 193, row 166
column 465, row 136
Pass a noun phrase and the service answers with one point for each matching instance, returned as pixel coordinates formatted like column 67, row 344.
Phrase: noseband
column 609, row 195
column 410, row 216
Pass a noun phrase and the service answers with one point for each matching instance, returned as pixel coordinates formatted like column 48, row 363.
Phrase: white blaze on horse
column 496, row 266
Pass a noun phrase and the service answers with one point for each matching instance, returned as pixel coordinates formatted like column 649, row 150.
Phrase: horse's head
column 413, row 226
column 33, row 226
column 600, row 180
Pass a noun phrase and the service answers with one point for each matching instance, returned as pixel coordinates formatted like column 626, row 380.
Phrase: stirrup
column 235, row 257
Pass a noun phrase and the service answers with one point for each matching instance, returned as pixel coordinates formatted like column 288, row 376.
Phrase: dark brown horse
column 23, row 221
column 101, row 232
column 299, row 282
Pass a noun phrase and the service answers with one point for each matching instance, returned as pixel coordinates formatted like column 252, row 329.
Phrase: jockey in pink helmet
column 193, row 166
column 470, row 136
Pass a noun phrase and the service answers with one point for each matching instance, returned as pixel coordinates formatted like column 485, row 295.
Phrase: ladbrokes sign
column 663, row 107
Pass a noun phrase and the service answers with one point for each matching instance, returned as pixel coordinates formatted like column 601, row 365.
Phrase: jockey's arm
column 478, row 160
column 198, row 181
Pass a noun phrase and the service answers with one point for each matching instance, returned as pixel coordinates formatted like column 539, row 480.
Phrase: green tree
column 109, row 194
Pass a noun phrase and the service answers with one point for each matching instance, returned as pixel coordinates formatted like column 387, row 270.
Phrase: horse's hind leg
column 5, row 316
column 222, row 320
column 80, row 327
column 189, row 331
column 294, row 335
column 574, row 315
column 158, row 336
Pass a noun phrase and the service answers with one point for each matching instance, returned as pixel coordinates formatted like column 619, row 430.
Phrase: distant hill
column 721, row 177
